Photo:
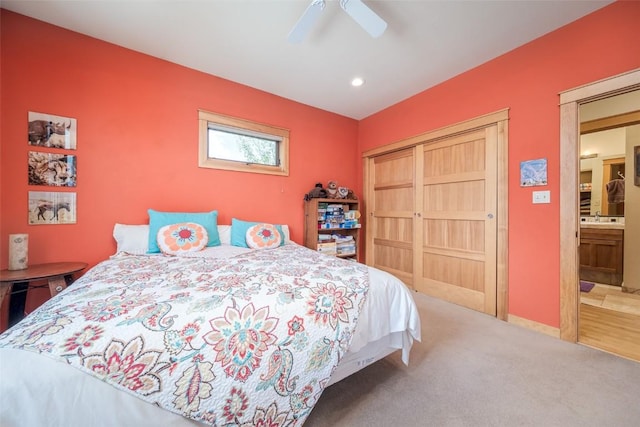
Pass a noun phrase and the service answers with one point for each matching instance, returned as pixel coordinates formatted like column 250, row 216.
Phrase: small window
column 242, row 145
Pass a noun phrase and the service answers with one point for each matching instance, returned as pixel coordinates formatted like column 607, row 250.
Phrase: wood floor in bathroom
column 610, row 321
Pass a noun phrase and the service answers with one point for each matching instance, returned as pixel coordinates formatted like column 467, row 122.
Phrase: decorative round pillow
column 176, row 239
column 263, row 236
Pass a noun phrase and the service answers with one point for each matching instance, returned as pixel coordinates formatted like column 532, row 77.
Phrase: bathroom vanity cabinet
column 601, row 254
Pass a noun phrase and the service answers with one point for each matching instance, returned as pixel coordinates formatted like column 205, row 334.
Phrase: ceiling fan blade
column 306, row 21
column 367, row 18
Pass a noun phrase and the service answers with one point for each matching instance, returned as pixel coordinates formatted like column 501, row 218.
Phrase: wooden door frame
column 570, row 101
column 501, row 120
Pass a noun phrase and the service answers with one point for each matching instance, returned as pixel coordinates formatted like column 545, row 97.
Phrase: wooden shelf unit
column 585, row 192
column 585, row 202
column 316, row 220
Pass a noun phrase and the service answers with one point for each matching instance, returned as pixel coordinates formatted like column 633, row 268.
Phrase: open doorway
column 570, row 199
column 608, row 312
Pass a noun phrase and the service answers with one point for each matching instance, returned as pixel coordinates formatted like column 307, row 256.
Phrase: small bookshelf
column 332, row 226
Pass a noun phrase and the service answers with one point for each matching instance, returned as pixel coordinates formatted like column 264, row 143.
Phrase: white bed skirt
column 371, row 353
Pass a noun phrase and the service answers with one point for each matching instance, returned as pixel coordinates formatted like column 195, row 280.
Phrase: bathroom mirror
column 613, row 174
column 603, row 150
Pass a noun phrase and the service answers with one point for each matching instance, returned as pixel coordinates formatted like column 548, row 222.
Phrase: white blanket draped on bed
column 244, row 340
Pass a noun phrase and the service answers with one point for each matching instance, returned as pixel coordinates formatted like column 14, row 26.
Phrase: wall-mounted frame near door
column 570, row 101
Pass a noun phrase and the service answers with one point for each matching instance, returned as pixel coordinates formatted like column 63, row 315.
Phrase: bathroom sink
column 602, row 219
column 616, row 225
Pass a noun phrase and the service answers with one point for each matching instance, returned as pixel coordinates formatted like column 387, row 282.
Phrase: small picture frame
column 51, row 131
column 533, row 173
column 52, row 207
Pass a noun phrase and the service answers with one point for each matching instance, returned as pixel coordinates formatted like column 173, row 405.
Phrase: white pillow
column 224, row 231
column 132, row 239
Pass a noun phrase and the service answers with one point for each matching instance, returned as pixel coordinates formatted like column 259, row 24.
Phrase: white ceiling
column 426, row 42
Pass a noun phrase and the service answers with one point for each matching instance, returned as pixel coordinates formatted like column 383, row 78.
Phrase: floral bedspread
column 249, row 340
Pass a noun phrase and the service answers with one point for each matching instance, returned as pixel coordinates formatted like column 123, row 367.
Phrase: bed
column 225, row 335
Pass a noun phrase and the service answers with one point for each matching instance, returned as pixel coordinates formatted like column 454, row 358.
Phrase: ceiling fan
column 358, row 11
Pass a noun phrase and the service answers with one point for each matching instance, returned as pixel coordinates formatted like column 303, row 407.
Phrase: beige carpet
column 474, row 370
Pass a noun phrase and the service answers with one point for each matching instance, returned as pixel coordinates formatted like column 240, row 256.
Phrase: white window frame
column 244, row 127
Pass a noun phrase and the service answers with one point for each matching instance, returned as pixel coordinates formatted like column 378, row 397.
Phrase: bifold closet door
column 456, row 183
column 390, row 206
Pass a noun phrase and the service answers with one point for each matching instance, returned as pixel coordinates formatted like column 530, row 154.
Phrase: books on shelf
column 341, row 238
column 346, row 249
column 336, row 244
column 334, row 216
column 336, row 223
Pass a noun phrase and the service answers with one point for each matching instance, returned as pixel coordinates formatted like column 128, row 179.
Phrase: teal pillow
column 157, row 220
column 239, row 232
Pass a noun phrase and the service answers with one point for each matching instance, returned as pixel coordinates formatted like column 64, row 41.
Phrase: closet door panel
column 390, row 230
column 456, row 187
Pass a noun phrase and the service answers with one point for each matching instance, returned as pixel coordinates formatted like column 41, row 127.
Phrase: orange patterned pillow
column 183, row 237
column 263, row 236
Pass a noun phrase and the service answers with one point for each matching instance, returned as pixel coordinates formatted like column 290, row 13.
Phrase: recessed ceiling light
column 358, row 81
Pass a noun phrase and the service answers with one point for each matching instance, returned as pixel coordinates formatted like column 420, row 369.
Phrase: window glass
column 241, row 145
column 236, row 145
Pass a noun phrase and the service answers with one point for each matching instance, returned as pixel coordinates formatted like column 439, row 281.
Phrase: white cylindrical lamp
column 18, row 251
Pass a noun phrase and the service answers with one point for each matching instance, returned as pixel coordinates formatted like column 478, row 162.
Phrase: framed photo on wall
column 51, row 131
column 533, row 173
column 57, row 170
column 52, row 207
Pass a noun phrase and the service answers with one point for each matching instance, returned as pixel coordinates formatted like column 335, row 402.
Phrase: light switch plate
column 542, row 196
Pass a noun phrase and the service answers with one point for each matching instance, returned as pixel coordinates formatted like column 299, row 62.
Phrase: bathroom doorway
column 619, row 338
column 608, row 317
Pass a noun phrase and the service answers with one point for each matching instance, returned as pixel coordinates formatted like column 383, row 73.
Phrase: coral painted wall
column 138, row 142
column 137, row 138
column 526, row 80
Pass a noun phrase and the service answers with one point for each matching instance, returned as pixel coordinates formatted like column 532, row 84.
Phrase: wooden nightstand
column 58, row 274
